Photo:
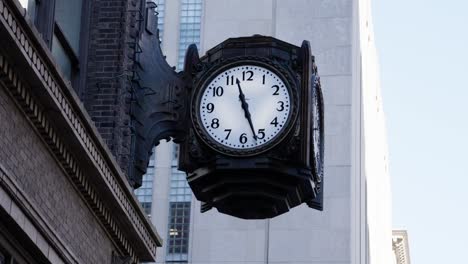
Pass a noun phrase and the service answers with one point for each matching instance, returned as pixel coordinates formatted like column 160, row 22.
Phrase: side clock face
column 317, row 132
column 244, row 109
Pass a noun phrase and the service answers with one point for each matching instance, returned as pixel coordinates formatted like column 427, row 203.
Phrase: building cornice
column 49, row 102
column 400, row 246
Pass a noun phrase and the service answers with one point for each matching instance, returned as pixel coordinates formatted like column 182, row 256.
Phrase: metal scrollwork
column 160, row 101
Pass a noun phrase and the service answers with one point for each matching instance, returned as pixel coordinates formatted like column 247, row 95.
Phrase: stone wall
column 28, row 161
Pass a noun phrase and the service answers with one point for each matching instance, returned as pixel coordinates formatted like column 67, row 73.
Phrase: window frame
column 45, row 23
column 178, row 244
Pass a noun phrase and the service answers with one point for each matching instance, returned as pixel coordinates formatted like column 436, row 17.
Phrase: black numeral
column 210, row 107
column 274, row 122
column 281, row 107
column 215, row 123
column 229, row 80
column 243, row 138
column 244, row 73
column 228, row 133
column 261, row 133
column 263, row 79
column 218, row 91
column 276, row 87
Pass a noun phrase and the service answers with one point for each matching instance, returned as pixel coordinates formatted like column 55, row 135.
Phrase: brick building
column 67, row 72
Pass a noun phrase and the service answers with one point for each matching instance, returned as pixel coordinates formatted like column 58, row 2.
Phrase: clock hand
column 245, row 107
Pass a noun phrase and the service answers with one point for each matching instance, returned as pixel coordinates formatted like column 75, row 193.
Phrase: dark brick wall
column 110, row 71
column 37, row 173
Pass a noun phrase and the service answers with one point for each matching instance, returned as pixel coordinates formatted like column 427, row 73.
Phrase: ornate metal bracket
column 160, row 100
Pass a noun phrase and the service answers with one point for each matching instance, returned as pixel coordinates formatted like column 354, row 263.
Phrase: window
column 60, row 55
column 145, row 192
column 179, row 228
column 146, row 207
column 190, row 24
column 30, row 6
column 180, row 197
column 179, row 189
column 68, row 19
column 66, row 35
column 60, row 23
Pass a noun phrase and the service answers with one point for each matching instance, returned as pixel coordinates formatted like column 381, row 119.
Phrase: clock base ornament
column 254, row 148
column 255, row 190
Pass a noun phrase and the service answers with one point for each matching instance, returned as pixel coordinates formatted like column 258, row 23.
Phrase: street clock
column 254, row 142
column 248, row 116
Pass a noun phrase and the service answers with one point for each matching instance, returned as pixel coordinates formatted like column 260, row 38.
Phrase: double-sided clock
column 254, row 145
column 244, row 108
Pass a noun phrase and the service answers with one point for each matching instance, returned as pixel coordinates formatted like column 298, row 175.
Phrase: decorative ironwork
column 160, row 99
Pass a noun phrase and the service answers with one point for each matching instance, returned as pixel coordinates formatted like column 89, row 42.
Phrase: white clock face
column 245, row 107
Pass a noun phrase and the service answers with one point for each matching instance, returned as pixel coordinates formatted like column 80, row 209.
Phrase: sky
column 423, row 52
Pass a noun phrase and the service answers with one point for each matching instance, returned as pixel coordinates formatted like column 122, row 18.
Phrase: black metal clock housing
column 254, row 149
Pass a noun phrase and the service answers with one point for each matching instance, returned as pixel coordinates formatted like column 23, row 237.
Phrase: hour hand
column 245, row 107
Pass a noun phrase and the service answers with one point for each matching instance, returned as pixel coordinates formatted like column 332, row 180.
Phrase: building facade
column 67, row 70
column 355, row 226
column 400, row 246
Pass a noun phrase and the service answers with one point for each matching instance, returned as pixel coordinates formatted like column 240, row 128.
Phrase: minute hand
column 245, row 107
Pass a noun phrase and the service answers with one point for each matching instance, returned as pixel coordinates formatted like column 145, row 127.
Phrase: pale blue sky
column 423, row 51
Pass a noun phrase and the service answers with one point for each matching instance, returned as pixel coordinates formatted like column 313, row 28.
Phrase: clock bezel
column 222, row 66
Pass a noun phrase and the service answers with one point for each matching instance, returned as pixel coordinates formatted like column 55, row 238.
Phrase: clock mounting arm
column 160, row 101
